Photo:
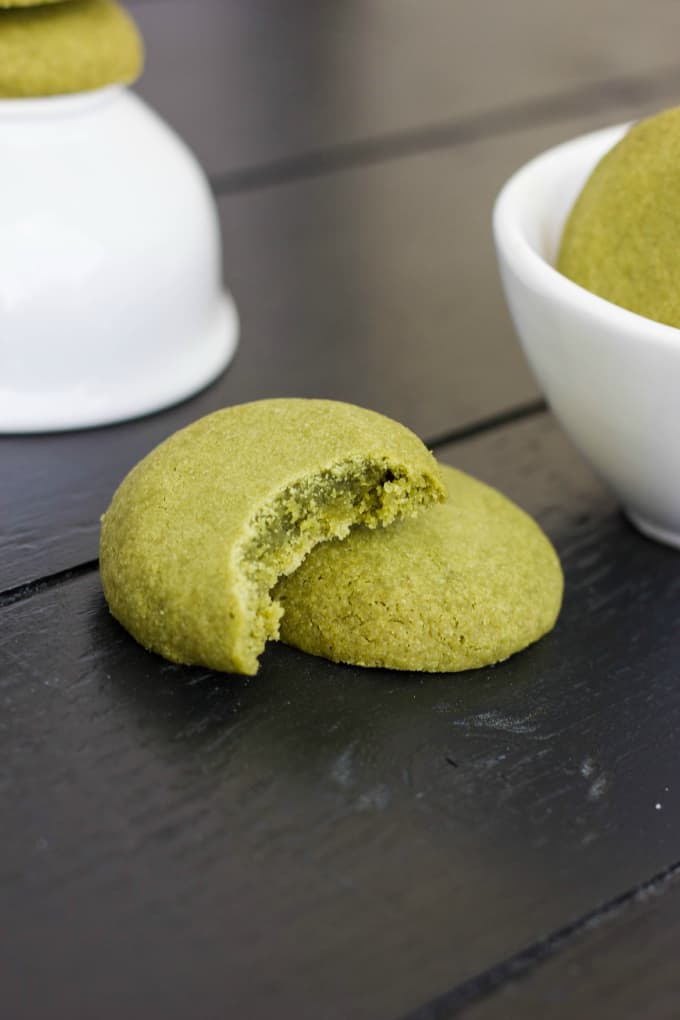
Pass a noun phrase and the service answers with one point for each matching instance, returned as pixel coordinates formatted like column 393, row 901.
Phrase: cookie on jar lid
column 465, row 584
column 28, row 3
column 199, row 531
column 67, row 46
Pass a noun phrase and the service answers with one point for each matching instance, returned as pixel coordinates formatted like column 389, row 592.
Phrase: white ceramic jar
column 111, row 300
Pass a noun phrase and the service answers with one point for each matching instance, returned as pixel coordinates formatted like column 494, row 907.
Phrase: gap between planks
column 496, row 122
column 28, row 589
column 521, row 965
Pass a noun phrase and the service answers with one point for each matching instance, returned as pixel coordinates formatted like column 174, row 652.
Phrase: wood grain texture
column 260, row 82
column 376, row 285
column 300, row 844
column 625, row 965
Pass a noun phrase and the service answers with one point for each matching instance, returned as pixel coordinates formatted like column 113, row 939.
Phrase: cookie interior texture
column 465, row 584
column 621, row 238
column 65, row 47
column 199, row 532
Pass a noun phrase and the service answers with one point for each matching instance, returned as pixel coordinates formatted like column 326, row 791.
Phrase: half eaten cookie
column 199, row 532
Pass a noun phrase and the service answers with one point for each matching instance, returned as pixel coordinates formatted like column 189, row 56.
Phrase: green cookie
column 465, row 584
column 200, row 530
column 65, row 47
column 621, row 238
column 27, row 3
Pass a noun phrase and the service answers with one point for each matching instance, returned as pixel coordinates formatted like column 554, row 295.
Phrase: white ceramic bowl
column 111, row 300
column 611, row 377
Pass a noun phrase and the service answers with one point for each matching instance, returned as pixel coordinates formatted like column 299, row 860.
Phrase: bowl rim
column 536, row 272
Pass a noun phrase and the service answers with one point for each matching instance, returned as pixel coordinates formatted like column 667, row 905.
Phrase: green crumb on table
column 200, row 530
column 65, row 47
column 465, row 584
column 621, row 238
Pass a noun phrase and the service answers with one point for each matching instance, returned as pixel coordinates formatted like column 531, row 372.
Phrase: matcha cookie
column 70, row 46
column 200, row 530
column 27, row 3
column 621, row 238
column 463, row 585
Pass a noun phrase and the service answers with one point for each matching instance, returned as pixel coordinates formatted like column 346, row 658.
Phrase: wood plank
column 252, row 83
column 624, row 967
column 377, row 286
column 298, row 844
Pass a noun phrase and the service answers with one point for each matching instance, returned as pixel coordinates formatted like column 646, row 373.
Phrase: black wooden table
column 322, row 841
